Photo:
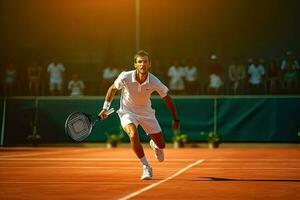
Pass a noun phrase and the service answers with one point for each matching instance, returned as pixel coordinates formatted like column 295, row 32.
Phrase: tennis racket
column 78, row 125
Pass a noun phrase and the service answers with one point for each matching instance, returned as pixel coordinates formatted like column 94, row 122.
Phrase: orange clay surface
column 189, row 173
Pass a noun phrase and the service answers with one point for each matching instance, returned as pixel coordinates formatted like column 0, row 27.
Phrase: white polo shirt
column 135, row 97
column 190, row 73
column 256, row 74
column 56, row 71
column 177, row 74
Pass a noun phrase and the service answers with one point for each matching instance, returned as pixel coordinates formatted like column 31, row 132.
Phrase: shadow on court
column 244, row 179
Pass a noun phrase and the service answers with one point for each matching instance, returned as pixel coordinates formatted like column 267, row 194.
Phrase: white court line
column 38, row 154
column 65, row 182
column 28, row 154
column 88, row 159
column 65, row 167
column 162, row 181
column 255, row 159
column 53, row 182
column 109, row 167
column 249, row 168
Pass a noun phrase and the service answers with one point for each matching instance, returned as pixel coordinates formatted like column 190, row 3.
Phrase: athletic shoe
column 159, row 153
column 147, row 173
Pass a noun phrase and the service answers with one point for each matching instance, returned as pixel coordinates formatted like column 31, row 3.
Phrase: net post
column 3, row 122
column 215, row 114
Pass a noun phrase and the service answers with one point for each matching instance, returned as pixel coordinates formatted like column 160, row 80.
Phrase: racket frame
column 91, row 124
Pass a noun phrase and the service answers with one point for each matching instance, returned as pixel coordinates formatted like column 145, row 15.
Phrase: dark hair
column 142, row 53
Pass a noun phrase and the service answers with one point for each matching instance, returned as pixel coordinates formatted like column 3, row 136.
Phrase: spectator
column 9, row 80
column 256, row 71
column 191, row 74
column 34, row 75
column 76, row 86
column 290, row 69
column 56, row 70
column 216, row 76
column 176, row 74
column 237, row 75
column 109, row 74
column 272, row 77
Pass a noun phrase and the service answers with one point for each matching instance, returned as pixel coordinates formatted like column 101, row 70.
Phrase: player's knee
column 133, row 135
column 161, row 145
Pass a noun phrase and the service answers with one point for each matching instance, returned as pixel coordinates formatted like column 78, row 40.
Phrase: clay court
column 188, row 173
column 232, row 68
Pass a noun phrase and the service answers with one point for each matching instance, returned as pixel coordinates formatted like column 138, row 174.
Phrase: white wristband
column 106, row 105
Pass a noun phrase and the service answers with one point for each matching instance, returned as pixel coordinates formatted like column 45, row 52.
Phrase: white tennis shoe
column 147, row 173
column 159, row 153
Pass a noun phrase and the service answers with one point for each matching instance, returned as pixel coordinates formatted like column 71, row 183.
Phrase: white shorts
column 149, row 123
column 53, row 86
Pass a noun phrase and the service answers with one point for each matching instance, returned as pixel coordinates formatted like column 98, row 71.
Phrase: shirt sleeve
column 61, row 67
column 161, row 89
column 119, row 82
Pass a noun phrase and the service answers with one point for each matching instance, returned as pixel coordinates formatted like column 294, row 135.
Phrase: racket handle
column 110, row 111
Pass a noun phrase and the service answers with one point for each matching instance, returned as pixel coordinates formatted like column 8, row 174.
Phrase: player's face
column 142, row 64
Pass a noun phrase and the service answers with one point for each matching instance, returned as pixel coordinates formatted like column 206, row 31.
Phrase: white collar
column 134, row 78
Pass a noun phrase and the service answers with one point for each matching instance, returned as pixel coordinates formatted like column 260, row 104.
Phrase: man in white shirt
column 236, row 75
column 56, row 70
column 108, row 76
column 76, row 86
column 256, row 72
column 290, row 70
column 135, row 108
column 176, row 74
column 191, row 75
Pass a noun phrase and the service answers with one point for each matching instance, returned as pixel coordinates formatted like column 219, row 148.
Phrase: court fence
column 233, row 118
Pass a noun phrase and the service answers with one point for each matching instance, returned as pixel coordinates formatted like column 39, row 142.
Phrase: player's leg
column 152, row 128
column 132, row 132
column 157, row 144
column 158, row 140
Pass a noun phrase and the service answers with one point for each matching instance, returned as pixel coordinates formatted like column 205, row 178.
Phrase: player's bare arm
column 169, row 102
column 108, row 99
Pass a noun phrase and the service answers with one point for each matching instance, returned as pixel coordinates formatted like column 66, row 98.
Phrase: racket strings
column 78, row 126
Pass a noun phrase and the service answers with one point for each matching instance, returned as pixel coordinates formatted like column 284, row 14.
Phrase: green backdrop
column 238, row 119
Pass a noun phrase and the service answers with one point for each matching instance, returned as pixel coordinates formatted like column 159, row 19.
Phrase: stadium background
column 87, row 35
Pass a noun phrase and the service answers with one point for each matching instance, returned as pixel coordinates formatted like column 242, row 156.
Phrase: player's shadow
column 244, row 179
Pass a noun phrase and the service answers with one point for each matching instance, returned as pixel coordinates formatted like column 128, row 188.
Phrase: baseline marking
column 55, row 182
column 109, row 167
column 254, row 160
column 16, row 156
column 86, row 159
column 162, row 181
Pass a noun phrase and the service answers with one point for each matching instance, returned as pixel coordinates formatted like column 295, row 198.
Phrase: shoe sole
column 146, row 178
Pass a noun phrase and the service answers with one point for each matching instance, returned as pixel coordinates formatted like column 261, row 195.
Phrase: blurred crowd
column 252, row 76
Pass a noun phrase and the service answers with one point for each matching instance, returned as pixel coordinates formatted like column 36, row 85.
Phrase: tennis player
column 135, row 108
